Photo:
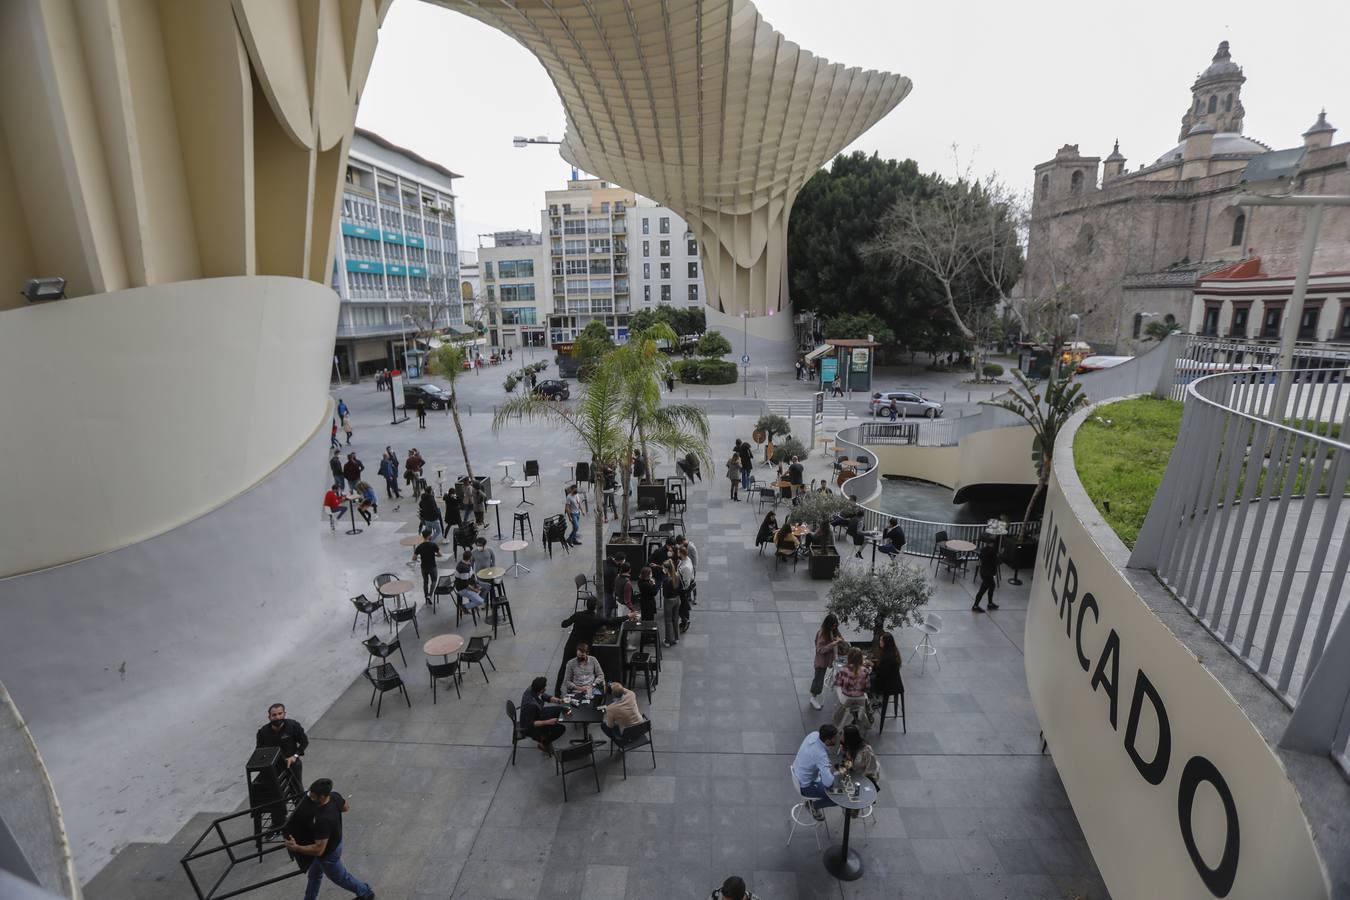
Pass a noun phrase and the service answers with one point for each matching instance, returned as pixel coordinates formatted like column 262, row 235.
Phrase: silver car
column 907, row 403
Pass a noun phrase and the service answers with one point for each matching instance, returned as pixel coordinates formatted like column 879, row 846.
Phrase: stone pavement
column 968, row 808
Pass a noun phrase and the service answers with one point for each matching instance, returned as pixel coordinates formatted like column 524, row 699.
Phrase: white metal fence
column 1249, row 530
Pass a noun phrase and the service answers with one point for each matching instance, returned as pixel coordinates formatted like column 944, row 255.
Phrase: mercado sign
column 1176, row 791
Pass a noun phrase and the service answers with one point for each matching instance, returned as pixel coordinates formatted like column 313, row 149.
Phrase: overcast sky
column 1007, row 83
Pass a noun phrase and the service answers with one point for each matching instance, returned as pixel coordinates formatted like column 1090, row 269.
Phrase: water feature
column 915, row 499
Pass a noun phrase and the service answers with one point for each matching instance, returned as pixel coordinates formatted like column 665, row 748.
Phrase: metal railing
column 1201, row 355
column 1249, row 527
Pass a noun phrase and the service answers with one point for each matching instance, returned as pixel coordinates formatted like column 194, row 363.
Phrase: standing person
column 452, row 513
column 747, row 464
column 543, row 730
column 429, row 515
column 795, row 472
column 734, row 473
column 685, row 569
column 389, row 472
column 988, row 572
column 476, row 499
column 335, row 466
column 622, row 595
column 572, row 508
column 683, row 543
column 342, row 409
column 287, row 736
column 894, row 538
column 351, row 470
column 670, row 598
column 426, row 553
column 647, row 594
column 347, row 427
column 314, row 835
column 421, row 414
column 393, row 459
column 412, row 470
column 895, row 409
column 828, row 640
column 812, row 768
column 333, row 438
column 798, row 367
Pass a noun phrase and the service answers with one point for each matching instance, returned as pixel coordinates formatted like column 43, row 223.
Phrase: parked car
column 1097, row 363
column 435, row 397
column 553, row 389
column 908, row 403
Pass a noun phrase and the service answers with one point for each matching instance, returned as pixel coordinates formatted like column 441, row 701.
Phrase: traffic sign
column 745, row 359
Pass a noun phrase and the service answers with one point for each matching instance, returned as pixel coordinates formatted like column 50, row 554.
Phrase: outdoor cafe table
column 443, row 645
column 396, row 588
column 840, row 861
column 585, row 715
column 351, row 499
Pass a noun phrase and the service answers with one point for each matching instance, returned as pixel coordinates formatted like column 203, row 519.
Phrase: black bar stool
column 522, row 520
column 641, row 662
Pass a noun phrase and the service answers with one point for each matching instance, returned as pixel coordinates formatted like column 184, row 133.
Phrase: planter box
column 823, row 565
column 652, row 493
column 1020, row 556
column 634, row 554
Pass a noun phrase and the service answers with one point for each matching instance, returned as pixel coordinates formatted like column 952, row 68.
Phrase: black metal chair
column 445, row 587
column 382, row 579
column 376, row 647
column 938, row 540
column 582, row 756
column 368, row 607
column 782, row 554
column 402, row 614
column 634, row 737
column 476, row 652
column 384, row 678
column 518, row 733
column 461, row 610
column 584, row 591
column 532, row 470
column 437, row 671
column 555, row 532
column 767, row 495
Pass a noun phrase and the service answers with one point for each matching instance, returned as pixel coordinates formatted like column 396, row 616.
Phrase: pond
column 931, row 502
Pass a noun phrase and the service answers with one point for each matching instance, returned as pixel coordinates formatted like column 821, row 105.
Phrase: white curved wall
column 769, row 339
column 129, row 413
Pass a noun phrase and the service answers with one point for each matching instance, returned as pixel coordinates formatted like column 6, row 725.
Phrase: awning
column 461, row 329
column 817, row 353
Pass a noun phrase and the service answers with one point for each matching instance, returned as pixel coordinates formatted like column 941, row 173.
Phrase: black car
column 553, row 389
column 435, row 397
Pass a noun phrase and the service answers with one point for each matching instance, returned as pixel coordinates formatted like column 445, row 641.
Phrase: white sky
column 1008, row 83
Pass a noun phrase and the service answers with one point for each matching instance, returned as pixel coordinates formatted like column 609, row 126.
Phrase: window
column 665, row 248
column 1213, row 102
column 665, row 270
column 492, row 292
column 517, row 293
column 693, row 247
column 1045, row 186
column 1076, row 182
column 665, row 293
column 1238, row 328
column 1228, row 103
column 1239, row 226
column 693, row 293
column 646, row 248
column 515, row 268
column 1270, row 323
column 646, row 226
column 646, row 293
column 1343, row 333
column 576, row 267
column 665, row 225
column 604, row 206
column 1210, row 326
column 647, row 270
column 693, row 270
column 1138, row 326
column 1307, row 325
column 487, row 268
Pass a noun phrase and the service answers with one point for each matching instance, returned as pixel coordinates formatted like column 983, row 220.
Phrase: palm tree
column 596, row 423
column 1047, row 416
column 448, row 362
column 679, row 429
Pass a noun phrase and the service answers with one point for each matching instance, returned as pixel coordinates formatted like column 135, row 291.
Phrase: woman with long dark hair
column 857, row 756
column 767, row 529
column 886, row 680
column 828, row 640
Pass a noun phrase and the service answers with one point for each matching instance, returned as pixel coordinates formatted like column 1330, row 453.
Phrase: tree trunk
column 1040, row 486
column 956, row 316
column 599, row 484
column 459, row 430
column 625, row 473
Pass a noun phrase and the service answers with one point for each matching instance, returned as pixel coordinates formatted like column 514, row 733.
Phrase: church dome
column 1222, row 66
column 1225, row 143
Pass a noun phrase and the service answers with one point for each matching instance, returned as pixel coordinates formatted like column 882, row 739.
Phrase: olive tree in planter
column 884, row 600
column 816, row 510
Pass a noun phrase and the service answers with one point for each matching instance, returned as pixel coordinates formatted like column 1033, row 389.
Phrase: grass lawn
column 1122, row 463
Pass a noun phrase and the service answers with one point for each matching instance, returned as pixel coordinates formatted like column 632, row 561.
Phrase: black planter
column 635, row 554
column 823, row 563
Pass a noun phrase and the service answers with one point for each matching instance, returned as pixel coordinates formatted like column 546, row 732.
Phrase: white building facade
column 666, row 266
column 515, row 294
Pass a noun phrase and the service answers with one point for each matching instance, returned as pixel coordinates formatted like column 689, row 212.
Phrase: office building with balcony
column 396, row 267
column 587, row 230
column 515, row 289
column 666, row 267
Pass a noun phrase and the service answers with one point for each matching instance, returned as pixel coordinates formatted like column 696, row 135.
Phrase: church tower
column 1216, row 96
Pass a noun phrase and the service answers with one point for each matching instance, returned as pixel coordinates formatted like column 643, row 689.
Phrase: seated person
column 368, row 502
column 540, row 725
column 332, row 501
column 583, row 674
column 767, row 529
column 850, row 518
column 733, row 889
column 621, row 712
column 851, row 684
column 786, row 541
column 466, row 582
column 812, row 769
column 894, row 538
column 483, row 557
column 856, row 755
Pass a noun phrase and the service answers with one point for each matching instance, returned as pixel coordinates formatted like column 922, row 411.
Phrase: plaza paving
column 969, row 807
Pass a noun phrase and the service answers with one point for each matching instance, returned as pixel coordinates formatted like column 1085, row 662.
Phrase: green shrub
column 773, row 425
column 713, row 343
column 705, row 371
column 510, row 383
column 790, row 447
column 992, row 370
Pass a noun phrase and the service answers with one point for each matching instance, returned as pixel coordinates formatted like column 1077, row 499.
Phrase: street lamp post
column 745, row 354
column 404, row 328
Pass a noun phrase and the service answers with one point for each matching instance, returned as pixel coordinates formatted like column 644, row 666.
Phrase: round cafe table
column 497, row 505
column 961, row 546
column 800, row 530
column 491, row 573
column 396, row 588
column 351, row 504
column 443, row 645
column 513, row 547
column 411, row 540
column 506, row 465
column 840, row 861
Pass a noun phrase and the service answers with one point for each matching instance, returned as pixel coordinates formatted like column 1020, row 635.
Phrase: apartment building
column 513, row 269
column 666, row 266
column 396, row 269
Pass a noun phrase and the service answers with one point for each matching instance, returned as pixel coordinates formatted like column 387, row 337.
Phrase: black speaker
column 583, row 472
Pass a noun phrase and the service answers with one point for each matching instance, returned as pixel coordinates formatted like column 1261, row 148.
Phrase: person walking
column 734, row 473
column 389, row 472
column 333, row 438
column 287, row 736
column 342, row 408
column 429, row 514
column 453, row 518
column 314, row 836
column 828, row 640
column 347, row 427
column 427, row 553
column 988, row 572
column 421, row 414
column 572, row 508
column 351, row 470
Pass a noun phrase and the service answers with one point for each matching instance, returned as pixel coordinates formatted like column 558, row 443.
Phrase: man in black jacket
column 543, row 726
column 894, row 539
column 287, row 736
column 584, row 625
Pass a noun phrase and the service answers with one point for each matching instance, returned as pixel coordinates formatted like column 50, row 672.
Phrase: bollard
column 470, row 409
column 944, row 397
column 967, row 396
